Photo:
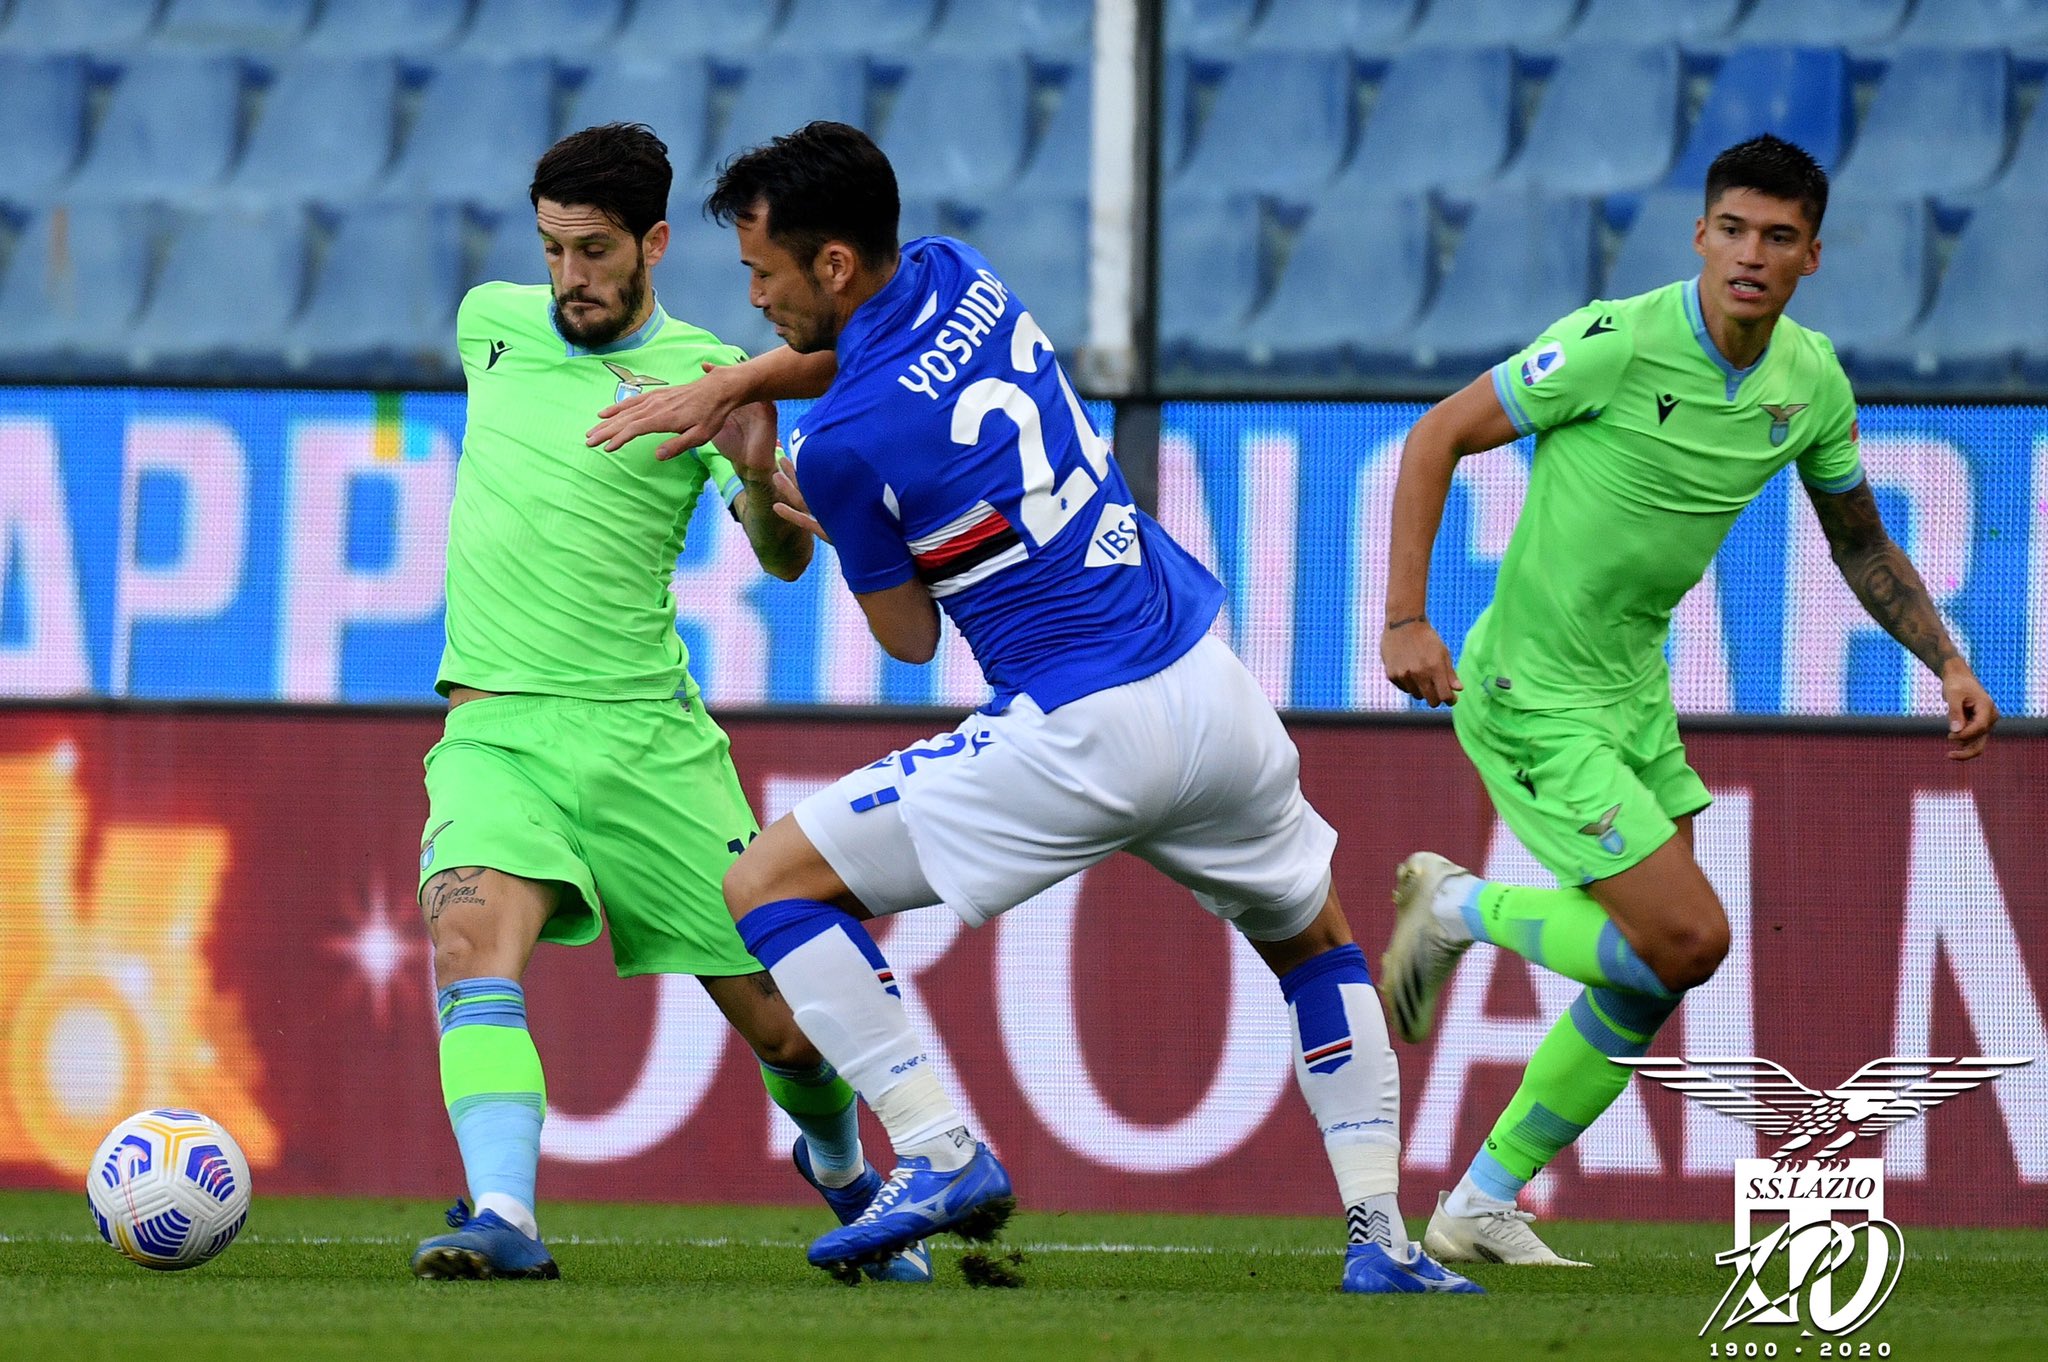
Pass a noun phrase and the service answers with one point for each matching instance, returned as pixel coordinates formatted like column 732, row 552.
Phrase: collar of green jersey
column 1733, row 375
column 648, row 330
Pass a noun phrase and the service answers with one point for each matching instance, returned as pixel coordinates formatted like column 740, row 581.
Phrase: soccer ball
column 168, row 1188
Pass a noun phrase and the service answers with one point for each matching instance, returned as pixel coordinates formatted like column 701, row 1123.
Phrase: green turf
column 325, row 1278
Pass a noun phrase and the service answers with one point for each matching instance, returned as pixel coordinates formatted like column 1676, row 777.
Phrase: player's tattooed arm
column 1892, row 593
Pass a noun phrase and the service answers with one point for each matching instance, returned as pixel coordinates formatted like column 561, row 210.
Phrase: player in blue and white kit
column 953, row 468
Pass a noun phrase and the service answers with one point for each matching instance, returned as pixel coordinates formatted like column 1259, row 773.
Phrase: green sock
column 822, row 1105
column 1563, row 930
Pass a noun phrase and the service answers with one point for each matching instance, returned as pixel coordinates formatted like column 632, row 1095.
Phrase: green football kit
column 595, row 764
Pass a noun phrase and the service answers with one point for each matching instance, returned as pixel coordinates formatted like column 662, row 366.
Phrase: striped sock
column 491, row 1080
column 1563, row 930
column 821, row 1104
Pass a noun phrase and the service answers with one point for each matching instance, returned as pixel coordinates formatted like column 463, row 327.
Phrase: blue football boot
column 916, row 1203
column 1370, row 1269
column 483, row 1246
column 913, row 1264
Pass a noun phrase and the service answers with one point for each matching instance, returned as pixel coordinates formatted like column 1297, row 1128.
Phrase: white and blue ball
column 168, row 1188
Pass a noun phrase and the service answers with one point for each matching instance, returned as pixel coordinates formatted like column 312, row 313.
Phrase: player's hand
column 1971, row 711
column 693, row 412
column 1418, row 662
column 789, row 500
column 748, row 439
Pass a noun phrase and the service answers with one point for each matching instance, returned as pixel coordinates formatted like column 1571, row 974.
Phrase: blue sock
column 491, row 1080
column 823, row 1106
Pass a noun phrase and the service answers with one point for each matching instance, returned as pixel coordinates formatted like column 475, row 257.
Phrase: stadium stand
column 413, row 28
column 960, row 124
column 248, row 25
column 232, row 280
column 1832, row 22
column 382, row 306
column 1977, row 23
column 777, row 94
column 139, row 153
column 672, row 95
column 1041, row 245
column 74, row 281
column 1058, row 164
column 544, row 28
column 1352, row 287
column 1800, row 93
column 78, row 25
column 1209, row 25
column 1966, row 93
column 1525, row 260
column 1876, row 261
column 326, row 130
column 1056, row 29
column 1608, row 122
column 690, row 28
column 1209, row 262
column 1985, row 329
column 1429, row 90
column 480, row 126
column 1526, row 23
column 1366, row 27
column 42, row 120
column 896, row 26
column 1281, row 124
column 1657, row 246
column 1627, row 22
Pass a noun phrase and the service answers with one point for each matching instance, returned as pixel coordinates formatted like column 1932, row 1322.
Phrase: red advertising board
column 215, row 910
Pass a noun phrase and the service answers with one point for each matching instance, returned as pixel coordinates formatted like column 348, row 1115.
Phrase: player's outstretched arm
column 1466, row 422
column 695, row 412
column 1889, row 587
column 748, row 439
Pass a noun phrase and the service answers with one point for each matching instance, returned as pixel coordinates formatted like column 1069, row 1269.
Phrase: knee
column 785, row 1047
column 748, row 884
column 1688, row 956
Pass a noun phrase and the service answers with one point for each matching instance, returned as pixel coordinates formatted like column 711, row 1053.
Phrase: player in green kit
column 1657, row 419
column 579, row 782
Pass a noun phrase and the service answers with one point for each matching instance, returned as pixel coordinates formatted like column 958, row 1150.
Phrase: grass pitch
column 326, row 1278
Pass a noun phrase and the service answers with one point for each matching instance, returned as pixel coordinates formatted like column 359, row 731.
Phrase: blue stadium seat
column 1353, row 285
column 670, row 95
column 1526, row 259
column 1875, row 267
column 382, row 308
column 691, row 28
column 231, row 282
column 1442, row 120
column 1039, row 246
column 1366, row 26
column 566, row 29
column 701, row 281
column 1992, row 308
column 42, row 121
column 959, row 124
column 1829, row 22
column 1799, row 93
column 1209, row 25
column 481, row 126
column 141, row 153
column 1608, row 122
column 1632, row 22
column 854, row 25
column 512, row 251
column 1976, row 23
column 781, row 94
column 74, row 282
column 922, row 215
column 409, row 28
column 1058, row 29
column 78, row 25
column 1658, row 246
column 326, row 130
column 1281, row 124
column 1059, row 164
column 1209, row 252
column 237, row 24
column 2027, row 172
column 1937, row 124
column 1473, row 23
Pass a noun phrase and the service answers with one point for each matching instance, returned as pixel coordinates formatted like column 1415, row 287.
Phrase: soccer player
column 579, row 781
column 953, row 468
column 1657, row 419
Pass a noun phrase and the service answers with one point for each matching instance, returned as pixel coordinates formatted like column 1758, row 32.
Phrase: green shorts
column 632, row 804
column 1589, row 791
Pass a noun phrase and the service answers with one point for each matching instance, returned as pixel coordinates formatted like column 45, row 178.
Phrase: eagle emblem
column 632, row 384
column 1611, row 842
column 1817, row 1126
column 1781, row 418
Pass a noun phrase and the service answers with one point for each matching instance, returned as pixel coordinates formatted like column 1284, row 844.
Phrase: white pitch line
column 718, row 1241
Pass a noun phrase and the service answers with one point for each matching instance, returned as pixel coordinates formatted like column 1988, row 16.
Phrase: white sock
column 1345, row 1068
column 511, row 1210
column 1468, row 1199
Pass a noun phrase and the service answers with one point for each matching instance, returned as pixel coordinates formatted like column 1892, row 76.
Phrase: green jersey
column 559, row 555
column 1648, row 445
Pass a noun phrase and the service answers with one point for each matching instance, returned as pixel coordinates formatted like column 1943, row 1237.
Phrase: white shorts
column 1188, row 769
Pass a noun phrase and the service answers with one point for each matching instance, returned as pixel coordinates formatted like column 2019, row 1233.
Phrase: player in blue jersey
column 953, row 468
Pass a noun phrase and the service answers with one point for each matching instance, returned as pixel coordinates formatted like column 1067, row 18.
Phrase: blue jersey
column 952, row 449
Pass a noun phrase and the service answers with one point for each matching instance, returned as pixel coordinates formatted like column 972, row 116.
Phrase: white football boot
column 1422, row 951
column 1492, row 1236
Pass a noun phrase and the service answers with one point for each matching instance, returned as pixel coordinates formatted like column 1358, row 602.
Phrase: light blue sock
column 491, row 1080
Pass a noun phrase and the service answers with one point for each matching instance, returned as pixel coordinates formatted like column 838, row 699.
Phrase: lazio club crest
column 632, row 384
column 1781, row 419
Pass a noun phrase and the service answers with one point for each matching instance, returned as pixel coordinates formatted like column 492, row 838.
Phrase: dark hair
column 1771, row 165
column 823, row 182
column 620, row 169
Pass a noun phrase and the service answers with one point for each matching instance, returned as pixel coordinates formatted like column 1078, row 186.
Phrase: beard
column 608, row 327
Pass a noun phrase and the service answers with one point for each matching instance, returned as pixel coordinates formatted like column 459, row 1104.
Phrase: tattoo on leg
column 765, row 982
column 451, row 887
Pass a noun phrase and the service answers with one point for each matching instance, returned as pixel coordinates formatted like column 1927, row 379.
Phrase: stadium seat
column 1353, row 285
column 140, row 153
column 1477, row 23
column 1633, row 22
column 1992, row 308
column 1525, row 260
column 1281, row 124
column 1208, row 279
column 671, row 95
column 1658, row 246
column 841, row 26
column 1937, row 124
column 564, row 29
column 73, row 284
column 1835, row 23
column 691, row 28
column 1039, row 246
column 1208, row 25
column 1363, row 26
column 481, row 126
column 1608, row 122
column 781, row 94
column 410, row 28
column 1442, row 120
column 1799, row 93
column 382, row 308
column 231, row 281
column 959, row 124
column 42, row 121
column 234, row 24
column 1976, row 23
column 326, row 130
column 1875, row 264
column 1059, row 164
column 1059, row 29
column 512, row 251
column 701, row 281
column 2027, row 173
column 78, row 25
